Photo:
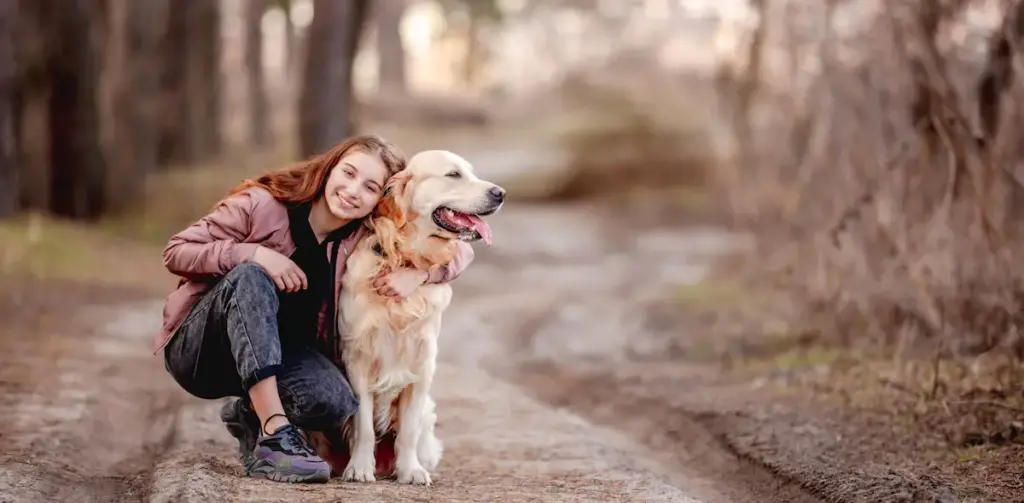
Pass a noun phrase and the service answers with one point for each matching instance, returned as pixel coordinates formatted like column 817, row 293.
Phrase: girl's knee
column 315, row 392
column 325, row 412
column 251, row 282
column 251, row 275
column 323, row 407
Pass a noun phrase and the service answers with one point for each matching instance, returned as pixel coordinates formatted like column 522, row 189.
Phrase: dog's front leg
column 412, row 406
column 361, row 465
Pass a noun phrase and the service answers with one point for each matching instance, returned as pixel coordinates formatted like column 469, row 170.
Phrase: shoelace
column 296, row 441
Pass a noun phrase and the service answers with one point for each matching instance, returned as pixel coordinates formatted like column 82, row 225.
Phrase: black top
column 298, row 311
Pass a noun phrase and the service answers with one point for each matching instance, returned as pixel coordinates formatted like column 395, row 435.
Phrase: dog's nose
column 497, row 193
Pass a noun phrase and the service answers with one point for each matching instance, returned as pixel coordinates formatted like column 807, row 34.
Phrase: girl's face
column 355, row 185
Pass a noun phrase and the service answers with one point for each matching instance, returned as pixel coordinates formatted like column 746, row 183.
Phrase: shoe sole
column 271, row 473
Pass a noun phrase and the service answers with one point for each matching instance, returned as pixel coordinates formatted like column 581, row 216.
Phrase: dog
column 389, row 346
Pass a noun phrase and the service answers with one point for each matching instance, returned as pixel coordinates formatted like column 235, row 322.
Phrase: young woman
column 254, row 314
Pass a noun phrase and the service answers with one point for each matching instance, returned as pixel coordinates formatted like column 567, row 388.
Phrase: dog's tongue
column 475, row 223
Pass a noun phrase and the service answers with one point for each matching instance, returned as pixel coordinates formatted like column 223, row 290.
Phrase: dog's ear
column 393, row 204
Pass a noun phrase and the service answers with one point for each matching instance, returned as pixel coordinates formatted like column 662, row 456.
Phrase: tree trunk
column 259, row 120
column 471, row 63
column 34, row 46
column 77, row 186
column 191, row 82
column 203, row 82
column 9, row 197
column 130, row 80
column 172, row 83
column 325, row 107
column 390, row 49
column 291, row 42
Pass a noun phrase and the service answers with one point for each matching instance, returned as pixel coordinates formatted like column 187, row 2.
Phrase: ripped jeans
column 230, row 341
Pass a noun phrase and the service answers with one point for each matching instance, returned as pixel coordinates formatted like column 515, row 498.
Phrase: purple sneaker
column 285, row 456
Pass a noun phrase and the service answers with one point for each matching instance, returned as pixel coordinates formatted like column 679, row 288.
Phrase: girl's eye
column 350, row 174
column 454, row 174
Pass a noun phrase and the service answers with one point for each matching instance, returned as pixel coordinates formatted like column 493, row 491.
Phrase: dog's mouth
column 468, row 226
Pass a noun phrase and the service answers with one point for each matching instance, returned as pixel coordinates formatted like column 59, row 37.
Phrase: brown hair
column 304, row 181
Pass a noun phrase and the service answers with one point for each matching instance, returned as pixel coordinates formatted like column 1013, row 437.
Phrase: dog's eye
column 454, row 174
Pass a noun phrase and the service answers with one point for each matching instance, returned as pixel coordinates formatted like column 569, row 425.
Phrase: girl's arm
column 213, row 245
column 458, row 264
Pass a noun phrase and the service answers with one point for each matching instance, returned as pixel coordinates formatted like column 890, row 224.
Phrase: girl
column 254, row 314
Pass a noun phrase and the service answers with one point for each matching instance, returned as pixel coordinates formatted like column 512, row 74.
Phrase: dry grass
column 123, row 250
column 37, row 246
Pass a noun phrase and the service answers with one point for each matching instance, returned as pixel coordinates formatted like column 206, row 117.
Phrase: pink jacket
column 229, row 236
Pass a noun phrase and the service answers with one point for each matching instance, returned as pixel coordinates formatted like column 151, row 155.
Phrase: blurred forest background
column 867, row 146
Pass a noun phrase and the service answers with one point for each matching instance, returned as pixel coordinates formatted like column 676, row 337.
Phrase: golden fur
column 390, row 346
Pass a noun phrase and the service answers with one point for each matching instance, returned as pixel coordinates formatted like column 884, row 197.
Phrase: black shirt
column 298, row 311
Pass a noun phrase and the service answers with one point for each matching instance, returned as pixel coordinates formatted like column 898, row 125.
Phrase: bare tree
column 191, row 82
column 31, row 104
column 131, row 78
column 77, row 184
column 259, row 123
column 203, row 81
column 390, row 49
column 326, row 103
column 999, row 72
column 9, row 197
column 172, row 84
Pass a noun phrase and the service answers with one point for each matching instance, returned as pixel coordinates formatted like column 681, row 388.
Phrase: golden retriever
column 389, row 346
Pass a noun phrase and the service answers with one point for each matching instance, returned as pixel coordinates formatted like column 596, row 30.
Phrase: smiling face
column 355, row 185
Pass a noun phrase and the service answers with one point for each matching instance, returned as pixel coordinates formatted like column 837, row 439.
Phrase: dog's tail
column 430, row 448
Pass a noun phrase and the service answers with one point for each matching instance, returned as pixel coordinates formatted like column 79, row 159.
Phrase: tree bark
column 259, row 133
column 77, row 185
column 191, row 82
column 203, row 82
column 9, row 193
column 130, row 81
column 172, row 83
column 291, row 41
column 34, row 46
column 325, row 107
column 471, row 63
column 390, row 48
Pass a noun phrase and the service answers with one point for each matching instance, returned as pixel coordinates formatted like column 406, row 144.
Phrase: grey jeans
column 230, row 341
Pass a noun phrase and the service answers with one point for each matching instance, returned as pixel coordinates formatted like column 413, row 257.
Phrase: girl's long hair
column 304, row 181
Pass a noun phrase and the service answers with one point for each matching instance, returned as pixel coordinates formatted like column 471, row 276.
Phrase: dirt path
column 104, row 423
column 90, row 415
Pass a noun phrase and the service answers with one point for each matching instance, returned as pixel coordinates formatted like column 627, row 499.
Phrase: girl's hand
column 286, row 275
column 399, row 283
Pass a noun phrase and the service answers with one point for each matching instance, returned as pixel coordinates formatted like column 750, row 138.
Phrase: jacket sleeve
column 453, row 269
column 213, row 245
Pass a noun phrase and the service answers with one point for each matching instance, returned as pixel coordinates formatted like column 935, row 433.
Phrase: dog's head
column 440, row 196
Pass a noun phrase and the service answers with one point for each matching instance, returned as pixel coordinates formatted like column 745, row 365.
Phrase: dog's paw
column 416, row 475
column 358, row 472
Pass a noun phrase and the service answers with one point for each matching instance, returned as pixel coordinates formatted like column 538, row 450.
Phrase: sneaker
column 244, row 425
column 285, row 456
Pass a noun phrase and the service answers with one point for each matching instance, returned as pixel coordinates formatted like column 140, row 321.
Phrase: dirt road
column 88, row 414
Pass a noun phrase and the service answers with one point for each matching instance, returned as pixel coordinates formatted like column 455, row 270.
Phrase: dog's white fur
column 390, row 347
